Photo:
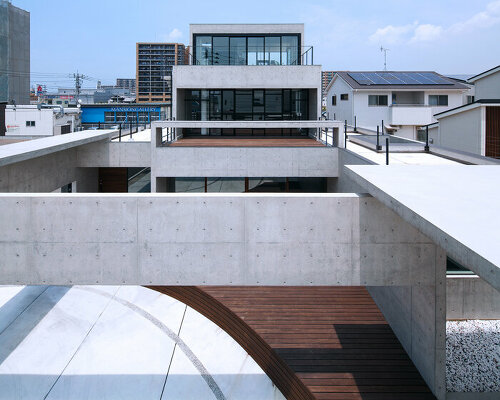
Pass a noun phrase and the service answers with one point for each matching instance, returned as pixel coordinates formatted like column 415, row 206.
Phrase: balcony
column 411, row 114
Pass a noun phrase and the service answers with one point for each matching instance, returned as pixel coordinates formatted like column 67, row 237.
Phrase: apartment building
column 14, row 54
column 404, row 100
column 326, row 78
column 126, row 83
column 154, row 62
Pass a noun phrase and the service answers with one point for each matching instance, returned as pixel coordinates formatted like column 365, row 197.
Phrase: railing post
column 99, row 125
column 120, row 133
column 355, row 124
column 345, row 134
column 386, row 151
column 379, row 147
column 382, row 127
column 312, row 55
column 426, row 148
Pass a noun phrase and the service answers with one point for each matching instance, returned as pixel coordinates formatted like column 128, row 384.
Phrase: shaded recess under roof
column 399, row 78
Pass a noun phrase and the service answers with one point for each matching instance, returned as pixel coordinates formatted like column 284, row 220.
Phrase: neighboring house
column 405, row 101
column 475, row 127
column 32, row 120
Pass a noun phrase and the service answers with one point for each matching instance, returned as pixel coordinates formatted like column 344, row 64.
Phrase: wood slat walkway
column 246, row 142
column 314, row 342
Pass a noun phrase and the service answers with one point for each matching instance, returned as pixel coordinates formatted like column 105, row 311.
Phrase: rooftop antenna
column 384, row 50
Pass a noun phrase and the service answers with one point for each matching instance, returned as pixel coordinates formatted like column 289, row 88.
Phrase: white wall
column 371, row 116
column 344, row 108
column 461, row 131
column 488, row 87
column 15, row 120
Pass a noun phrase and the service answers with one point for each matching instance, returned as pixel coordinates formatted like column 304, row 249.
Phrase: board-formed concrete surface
column 455, row 206
column 107, row 342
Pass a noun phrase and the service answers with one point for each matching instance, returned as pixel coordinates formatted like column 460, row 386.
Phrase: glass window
column 121, row 116
column 289, row 50
column 109, row 116
column 376, row 100
column 203, row 52
column 243, row 101
column 155, row 116
column 334, row 100
column 238, row 51
column 221, row 50
column 215, row 104
column 189, row 185
column 273, row 102
column 344, row 96
column 227, row 101
column 255, row 51
column 438, row 100
column 272, row 53
column 226, row 185
column 258, row 101
column 266, row 185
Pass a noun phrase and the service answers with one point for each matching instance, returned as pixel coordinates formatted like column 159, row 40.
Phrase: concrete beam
column 212, row 239
column 114, row 154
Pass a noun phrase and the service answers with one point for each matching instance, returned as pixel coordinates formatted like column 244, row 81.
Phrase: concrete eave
column 17, row 152
column 452, row 205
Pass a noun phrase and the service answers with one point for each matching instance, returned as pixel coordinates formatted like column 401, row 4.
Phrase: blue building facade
column 122, row 113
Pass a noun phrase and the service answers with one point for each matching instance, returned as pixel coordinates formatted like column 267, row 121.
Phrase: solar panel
column 398, row 78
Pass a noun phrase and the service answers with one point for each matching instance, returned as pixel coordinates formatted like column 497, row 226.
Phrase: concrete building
column 126, row 83
column 473, row 127
column 14, row 54
column 329, row 271
column 154, row 70
column 31, row 120
column 405, row 101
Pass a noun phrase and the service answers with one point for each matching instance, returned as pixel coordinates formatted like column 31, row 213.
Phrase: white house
column 405, row 101
column 33, row 120
column 475, row 127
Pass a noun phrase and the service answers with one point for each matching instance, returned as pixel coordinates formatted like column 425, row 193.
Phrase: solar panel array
column 398, row 78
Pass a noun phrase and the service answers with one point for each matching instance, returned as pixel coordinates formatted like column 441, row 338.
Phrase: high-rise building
column 326, row 78
column 126, row 83
column 14, row 54
column 154, row 70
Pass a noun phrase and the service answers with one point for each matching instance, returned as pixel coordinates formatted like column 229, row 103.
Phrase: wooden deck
column 246, row 142
column 324, row 343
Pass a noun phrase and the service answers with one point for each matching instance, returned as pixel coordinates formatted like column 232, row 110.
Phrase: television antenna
column 384, row 50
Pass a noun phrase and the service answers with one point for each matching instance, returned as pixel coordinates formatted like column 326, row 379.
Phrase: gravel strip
column 473, row 356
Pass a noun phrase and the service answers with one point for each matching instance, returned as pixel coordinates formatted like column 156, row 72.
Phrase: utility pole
column 384, row 50
column 78, row 84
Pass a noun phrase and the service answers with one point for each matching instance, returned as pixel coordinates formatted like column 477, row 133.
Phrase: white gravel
column 473, row 356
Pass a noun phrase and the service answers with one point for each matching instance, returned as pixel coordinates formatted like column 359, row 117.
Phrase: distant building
column 38, row 120
column 14, row 54
column 125, row 114
column 154, row 70
column 326, row 78
column 126, row 83
column 474, row 127
column 405, row 100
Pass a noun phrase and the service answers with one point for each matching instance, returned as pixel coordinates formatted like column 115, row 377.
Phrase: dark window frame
column 334, row 100
column 378, row 97
column 344, row 97
column 440, row 100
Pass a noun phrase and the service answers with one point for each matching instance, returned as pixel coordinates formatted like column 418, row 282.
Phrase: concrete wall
column 45, row 174
column 417, row 311
column 488, row 87
column 213, row 239
column 462, row 131
column 236, row 162
column 114, row 154
column 471, row 298
column 343, row 184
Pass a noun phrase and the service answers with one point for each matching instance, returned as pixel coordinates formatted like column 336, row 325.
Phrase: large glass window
column 273, row 50
column 438, row 100
column 255, row 51
column 247, row 50
column 238, row 51
column 221, row 50
column 289, row 50
column 204, row 50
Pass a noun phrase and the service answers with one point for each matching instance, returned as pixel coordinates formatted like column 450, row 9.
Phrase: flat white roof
column 454, row 205
column 16, row 152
